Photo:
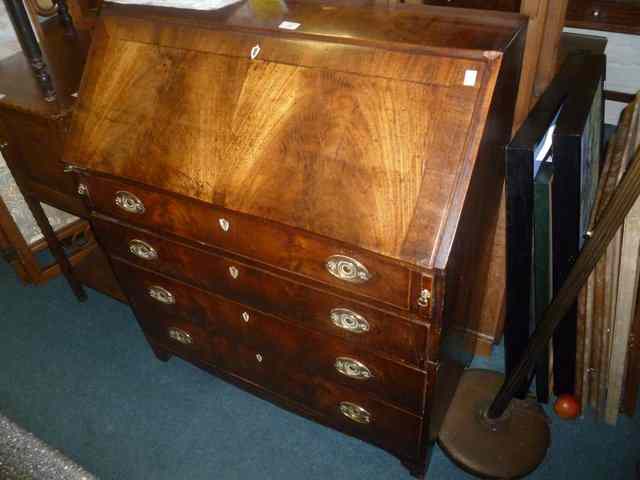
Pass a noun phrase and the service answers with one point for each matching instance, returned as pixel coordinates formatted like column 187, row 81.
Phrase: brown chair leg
column 55, row 247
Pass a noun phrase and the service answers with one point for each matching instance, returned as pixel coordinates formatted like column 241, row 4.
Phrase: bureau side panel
column 467, row 267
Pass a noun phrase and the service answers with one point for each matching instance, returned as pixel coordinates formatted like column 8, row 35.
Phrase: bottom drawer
column 343, row 408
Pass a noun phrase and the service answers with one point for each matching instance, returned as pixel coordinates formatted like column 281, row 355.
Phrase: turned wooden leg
column 29, row 43
column 160, row 353
column 55, row 247
column 65, row 17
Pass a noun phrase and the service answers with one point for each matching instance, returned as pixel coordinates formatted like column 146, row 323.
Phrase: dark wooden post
column 29, row 43
column 65, row 17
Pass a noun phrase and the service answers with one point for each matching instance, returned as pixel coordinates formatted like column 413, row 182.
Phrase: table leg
column 55, row 247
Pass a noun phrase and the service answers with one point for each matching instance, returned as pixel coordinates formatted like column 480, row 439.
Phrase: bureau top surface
column 352, row 22
column 361, row 125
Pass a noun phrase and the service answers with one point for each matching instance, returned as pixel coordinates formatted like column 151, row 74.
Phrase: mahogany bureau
column 303, row 208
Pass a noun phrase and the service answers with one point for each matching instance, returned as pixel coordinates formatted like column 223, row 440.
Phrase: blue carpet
column 81, row 377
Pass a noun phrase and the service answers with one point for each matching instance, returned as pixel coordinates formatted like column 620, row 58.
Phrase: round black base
column 509, row 447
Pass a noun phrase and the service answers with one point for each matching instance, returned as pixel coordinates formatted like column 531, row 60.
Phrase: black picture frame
column 567, row 104
column 577, row 152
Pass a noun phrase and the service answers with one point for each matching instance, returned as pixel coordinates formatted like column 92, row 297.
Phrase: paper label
column 286, row 25
column 470, row 77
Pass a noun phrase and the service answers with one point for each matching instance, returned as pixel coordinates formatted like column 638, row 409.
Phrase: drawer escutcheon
column 352, row 368
column 234, row 272
column 355, row 412
column 224, row 224
column 161, row 295
column 349, row 320
column 142, row 250
column 129, row 202
column 347, row 269
column 180, row 336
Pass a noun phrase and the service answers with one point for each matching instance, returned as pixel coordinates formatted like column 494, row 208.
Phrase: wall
column 623, row 67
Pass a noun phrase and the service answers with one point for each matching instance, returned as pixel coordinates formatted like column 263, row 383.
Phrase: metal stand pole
column 489, row 432
column 29, row 43
column 612, row 219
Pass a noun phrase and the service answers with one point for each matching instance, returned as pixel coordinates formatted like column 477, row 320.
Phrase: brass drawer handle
column 142, row 250
column 352, row 368
column 349, row 320
column 355, row 412
column 161, row 295
column 180, row 336
column 347, row 269
column 129, row 202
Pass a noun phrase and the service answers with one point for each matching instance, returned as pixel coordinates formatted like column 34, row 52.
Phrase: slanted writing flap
column 363, row 157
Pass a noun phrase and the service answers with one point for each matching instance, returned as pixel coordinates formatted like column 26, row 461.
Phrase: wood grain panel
column 316, row 353
column 38, row 149
column 292, row 250
column 340, row 140
column 253, row 286
column 388, row 336
column 391, row 428
column 297, row 51
column 406, row 27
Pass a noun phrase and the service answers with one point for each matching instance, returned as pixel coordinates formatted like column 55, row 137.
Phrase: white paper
column 287, row 25
column 470, row 77
column 186, row 4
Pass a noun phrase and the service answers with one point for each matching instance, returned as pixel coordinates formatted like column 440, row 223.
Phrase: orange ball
column 567, row 407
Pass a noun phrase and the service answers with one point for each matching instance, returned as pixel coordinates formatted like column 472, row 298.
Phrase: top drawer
column 319, row 258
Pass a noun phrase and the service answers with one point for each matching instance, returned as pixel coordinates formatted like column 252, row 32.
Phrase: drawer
column 37, row 151
column 369, row 327
column 319, row 354
column 384, row 425
column 268, row 242
column 58, row 199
